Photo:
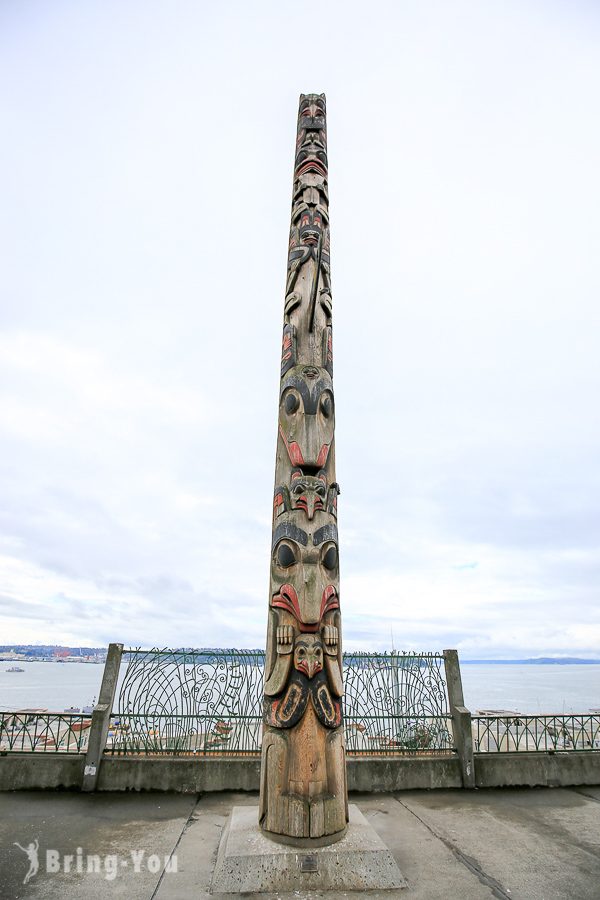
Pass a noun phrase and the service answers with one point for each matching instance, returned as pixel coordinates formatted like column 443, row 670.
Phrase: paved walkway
column 457, row 845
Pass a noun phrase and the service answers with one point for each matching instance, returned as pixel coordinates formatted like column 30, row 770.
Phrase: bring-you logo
column 109, row 865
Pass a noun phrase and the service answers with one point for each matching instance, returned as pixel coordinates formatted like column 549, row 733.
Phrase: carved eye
column 326, row 406
column 330, row 560
column 291, row 403
column 317, row 652
column 301, row 652
column 285, row 556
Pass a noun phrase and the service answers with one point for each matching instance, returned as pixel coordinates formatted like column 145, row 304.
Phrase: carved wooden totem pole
column 303, row 775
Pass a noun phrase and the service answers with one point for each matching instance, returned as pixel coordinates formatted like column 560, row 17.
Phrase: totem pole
column 303, row 773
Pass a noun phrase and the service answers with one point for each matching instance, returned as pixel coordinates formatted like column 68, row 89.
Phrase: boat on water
column 15, row 669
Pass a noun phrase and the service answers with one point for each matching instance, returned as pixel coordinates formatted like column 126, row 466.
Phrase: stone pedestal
column 250, row 862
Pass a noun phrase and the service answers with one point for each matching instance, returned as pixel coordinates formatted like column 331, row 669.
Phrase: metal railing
column 175, row 735
column 399, row 736
column 43, row 732
column 522, row 734
column 396, row 704
column 189, row 703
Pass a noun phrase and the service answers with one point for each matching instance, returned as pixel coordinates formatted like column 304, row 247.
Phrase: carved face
column 310, row 226
column 311, row 135
column 312, row 112
column 311, row 154
column 306, row 415
column 309, row 493
column 311, row 162
column 308, row 654
column 305, row 572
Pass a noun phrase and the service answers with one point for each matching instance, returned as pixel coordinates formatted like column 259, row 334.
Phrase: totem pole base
column 250, row 862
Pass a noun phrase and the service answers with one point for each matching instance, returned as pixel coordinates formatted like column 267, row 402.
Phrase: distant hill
column 537, row 661
column 49, row 649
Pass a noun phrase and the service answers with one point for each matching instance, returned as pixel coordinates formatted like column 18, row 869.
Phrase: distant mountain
column 38, row 650
column 537, row 661
column 48, row 649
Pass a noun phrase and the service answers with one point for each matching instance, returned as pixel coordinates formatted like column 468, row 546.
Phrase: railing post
column 461, row 718
column 101, row 718
column 395, row 682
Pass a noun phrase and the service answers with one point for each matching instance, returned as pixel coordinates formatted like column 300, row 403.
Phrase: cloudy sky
column 146, row 168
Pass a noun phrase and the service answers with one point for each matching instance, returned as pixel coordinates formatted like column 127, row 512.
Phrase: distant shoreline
column 542, row 661
column 531, row 661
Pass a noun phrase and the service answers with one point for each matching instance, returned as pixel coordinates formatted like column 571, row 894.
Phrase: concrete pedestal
column 249, row 862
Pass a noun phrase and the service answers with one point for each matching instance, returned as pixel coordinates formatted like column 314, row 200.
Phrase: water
column 532, row 689
column 526, row 689
column 49, row 685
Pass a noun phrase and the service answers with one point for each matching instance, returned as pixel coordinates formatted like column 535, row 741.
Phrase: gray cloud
column 145, row 233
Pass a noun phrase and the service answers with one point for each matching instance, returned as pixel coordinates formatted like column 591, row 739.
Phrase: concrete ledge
column 537, row 769
column 382, row 774
column 41, row 771
column 117, row 773
column 376, row 775
column 188, row 776
column 46, row 771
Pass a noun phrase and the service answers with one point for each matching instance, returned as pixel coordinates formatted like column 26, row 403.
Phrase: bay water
column 523, row 688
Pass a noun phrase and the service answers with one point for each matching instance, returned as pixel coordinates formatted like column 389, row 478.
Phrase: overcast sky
column 146, row 172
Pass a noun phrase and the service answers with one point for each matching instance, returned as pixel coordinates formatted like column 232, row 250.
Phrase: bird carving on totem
column 308, row 681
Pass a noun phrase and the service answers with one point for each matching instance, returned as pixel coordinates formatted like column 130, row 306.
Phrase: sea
column 541, row 689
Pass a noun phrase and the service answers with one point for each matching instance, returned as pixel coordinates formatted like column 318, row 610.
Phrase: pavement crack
column 467, row 861
column 186, row 825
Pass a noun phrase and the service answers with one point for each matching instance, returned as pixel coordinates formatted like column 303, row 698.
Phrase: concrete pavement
column 539, row 844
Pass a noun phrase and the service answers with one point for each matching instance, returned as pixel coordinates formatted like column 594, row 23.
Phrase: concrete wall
column 41, row 771
column 385, row 774
column 537, row 769
column 185, row 775
column 376, row 775
column 44, row 771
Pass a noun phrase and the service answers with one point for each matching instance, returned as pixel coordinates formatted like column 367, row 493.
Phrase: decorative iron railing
column 188, row 702
column 209, row 702
column 184, row 735
column 396, row 703
column 522, row 734
column 43, row 732
column 399, row 736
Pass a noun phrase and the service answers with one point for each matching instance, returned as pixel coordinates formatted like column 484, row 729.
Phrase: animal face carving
column 308, row 654
column 311, row 155
column 309, row 493
column 310, row 226
column 306, row 415
column 305, row 568
column 311, row 113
